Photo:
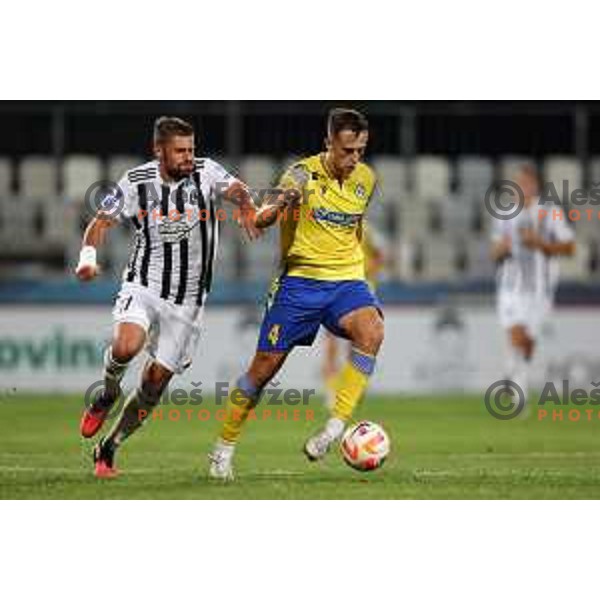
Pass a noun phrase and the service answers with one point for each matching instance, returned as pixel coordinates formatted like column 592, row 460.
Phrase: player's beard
column 180, row 172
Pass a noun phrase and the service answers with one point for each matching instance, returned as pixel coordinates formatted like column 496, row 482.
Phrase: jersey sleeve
column 120, row 203
column 296, row 177
column 374, row 191
column 219, row 178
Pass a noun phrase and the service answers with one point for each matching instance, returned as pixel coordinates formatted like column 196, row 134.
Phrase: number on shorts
column 125, row 302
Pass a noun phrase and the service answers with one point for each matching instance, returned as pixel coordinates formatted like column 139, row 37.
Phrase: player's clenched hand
column 86, row 272
column 247, row 222
column 87, row 268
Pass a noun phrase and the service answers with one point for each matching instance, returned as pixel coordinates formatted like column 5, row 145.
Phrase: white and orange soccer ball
column 365, row 446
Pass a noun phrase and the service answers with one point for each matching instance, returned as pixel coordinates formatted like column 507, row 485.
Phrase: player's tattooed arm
column 94, row 236
column 239, row 195
column 288, row 195
column 275, row 204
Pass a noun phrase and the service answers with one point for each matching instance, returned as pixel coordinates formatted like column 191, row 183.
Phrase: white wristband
column 87, row 256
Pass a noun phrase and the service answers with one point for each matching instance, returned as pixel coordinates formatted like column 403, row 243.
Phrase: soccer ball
column 365, row 446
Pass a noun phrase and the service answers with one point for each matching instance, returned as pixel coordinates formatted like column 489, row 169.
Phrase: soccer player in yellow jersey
column 320, row 209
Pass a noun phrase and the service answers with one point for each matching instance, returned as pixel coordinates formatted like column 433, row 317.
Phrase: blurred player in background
column 374, row 251
column 323, row 283
column 526, row 249
column 170, row 202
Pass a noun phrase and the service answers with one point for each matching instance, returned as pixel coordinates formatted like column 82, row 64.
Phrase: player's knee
column 520, row 339
column 369, row 339
column 124, row 350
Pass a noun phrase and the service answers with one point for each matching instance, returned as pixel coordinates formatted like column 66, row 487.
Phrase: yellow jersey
column 321, row 238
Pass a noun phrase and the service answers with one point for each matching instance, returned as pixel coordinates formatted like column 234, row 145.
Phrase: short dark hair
column 167, row 127
column 343, row 119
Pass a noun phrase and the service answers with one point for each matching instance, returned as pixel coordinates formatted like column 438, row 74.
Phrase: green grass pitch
column 442, row 447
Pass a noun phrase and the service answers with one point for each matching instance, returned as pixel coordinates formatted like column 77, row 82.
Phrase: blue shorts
column 297, row 306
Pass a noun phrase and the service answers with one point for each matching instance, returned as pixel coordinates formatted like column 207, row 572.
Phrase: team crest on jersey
column 360, row 190
column 274, row 333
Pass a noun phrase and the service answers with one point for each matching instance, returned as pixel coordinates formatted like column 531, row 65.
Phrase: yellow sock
column 352, row 383
column 240, row 401
column 331, row 382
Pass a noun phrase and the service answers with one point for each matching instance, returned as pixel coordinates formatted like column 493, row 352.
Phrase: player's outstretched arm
column 94, row 235
column 534, row 241
column 558, row 248
column 239, row 195
column 275, row 205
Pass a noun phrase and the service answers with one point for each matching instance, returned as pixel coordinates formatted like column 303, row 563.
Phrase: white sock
column 225, row 448
column 335, row 427
column 519, row 370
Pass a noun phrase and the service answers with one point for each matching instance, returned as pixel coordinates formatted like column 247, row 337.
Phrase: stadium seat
column 414, row 218
column 479, row 262
column 586, row 226
column 37, row 177
column 594, row 172
column 79, row 173
column 5, row 177
column 406, row 254
column 456, row 214
column 475, row 176
column 11, row 229
column 393, row 177
column 509, row 165
column 119, row 164
column 560, row 169
column 32, row 228
column 431, row 176
column 577, row 267
column 439, row 259
column 258, row 171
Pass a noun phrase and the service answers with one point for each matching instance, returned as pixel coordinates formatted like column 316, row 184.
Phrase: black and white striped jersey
column 527, row 271
column 176, row 229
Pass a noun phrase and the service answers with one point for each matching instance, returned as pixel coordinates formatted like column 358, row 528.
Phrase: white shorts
column 529, row 310
column 172, row 331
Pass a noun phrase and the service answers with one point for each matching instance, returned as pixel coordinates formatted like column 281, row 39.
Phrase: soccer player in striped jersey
column 171, row 204
column 322, row 283
column 526, row 249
